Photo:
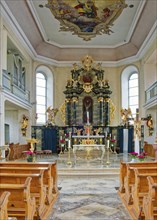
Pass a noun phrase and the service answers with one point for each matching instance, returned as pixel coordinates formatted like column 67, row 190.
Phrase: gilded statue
column 51, row 115
column 125, row 113
column 24, row 124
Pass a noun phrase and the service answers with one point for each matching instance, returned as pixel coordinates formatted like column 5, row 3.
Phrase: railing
column 8, row 84
column 151, row 95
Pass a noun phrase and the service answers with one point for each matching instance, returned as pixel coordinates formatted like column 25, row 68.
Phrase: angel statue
column 125, row 113
column 51, row 115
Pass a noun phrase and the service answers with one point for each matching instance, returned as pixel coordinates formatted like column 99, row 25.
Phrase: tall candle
column 69, row 144
column 108, row 143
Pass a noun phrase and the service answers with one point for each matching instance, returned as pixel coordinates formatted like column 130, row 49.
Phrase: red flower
column 30, row 153
column 113, row 141
column 62, row 141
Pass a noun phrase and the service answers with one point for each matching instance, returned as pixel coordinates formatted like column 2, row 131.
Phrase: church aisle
column 87, row 198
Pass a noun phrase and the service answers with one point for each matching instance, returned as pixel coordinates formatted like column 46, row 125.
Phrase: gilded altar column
column 101, row 110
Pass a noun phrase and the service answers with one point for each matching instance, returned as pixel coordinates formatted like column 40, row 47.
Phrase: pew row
column 37, row 188
column 49, row 178
column 34, row 170
column 129, row 180
column 20, row 204
column 150, row 200
column 4, row 205
column 139, row 190
column 123, row 171
column 52, row 166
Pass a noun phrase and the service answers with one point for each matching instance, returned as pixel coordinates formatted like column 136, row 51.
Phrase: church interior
column 78, row 109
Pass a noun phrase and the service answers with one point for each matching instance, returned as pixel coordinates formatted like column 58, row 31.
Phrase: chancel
column 78, row 100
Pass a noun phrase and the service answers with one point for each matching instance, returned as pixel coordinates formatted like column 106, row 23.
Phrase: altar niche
column 87, row 94
column 87, row 110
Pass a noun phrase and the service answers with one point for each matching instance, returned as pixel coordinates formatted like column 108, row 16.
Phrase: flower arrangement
column 30, row 156
column 113, row 141
column 140, row 157
column 133, row 154
column 62, row 141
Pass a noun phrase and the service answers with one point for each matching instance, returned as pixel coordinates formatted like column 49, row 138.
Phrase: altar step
column 90, row 172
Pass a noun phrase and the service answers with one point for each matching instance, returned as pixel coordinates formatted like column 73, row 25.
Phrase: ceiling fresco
column 86, row 18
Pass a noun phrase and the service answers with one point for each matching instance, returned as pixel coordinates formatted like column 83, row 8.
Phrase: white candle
column 69, row 144
column 108, row 143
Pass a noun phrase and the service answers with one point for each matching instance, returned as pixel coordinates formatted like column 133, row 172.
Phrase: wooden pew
column 150, row 200
column 37, row 188
column 130, row 179
column 20, row 204
column 48, row 182
column 16, row 150
column 139, row 190
column 51, row 165
column 4, row 205
column 123, row 172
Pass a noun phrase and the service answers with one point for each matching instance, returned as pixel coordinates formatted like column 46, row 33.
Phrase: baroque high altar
column 87, row 95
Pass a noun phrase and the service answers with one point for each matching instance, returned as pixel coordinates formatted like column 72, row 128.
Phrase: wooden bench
column 20, row 204
column 123, row 171
column 37, row 188
column 50, row 176
column 16, row 150
column 148, row 148
column 139, row 190
column 4, row 205
column 48, row 182
column 130, row 179
column 52, row 166
column 150, row 200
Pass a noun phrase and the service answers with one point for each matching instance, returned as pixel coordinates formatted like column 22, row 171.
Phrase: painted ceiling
column 129, row 29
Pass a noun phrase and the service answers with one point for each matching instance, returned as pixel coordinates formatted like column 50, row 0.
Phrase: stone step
column 88, row 172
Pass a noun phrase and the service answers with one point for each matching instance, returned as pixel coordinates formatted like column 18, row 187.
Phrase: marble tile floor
column 88, row 198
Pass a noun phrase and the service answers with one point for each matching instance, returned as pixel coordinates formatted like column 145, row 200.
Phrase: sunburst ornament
column 86, row 18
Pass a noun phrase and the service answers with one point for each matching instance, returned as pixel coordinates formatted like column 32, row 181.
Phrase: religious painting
column 86, row 18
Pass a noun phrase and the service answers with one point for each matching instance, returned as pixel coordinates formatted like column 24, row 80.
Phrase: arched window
column 133, row 93
column 41, row 97
column 130, row 89
column 44, row 92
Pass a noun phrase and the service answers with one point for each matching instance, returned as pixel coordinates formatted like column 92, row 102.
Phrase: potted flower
column 30, row 156
column 141, row 157
column 133, row 156
column 113, row 143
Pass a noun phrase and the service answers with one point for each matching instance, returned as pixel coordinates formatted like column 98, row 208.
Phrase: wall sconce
column 24, row 125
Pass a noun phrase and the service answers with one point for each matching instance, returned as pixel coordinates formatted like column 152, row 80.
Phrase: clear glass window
column 41, row 88
column 133, row 92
